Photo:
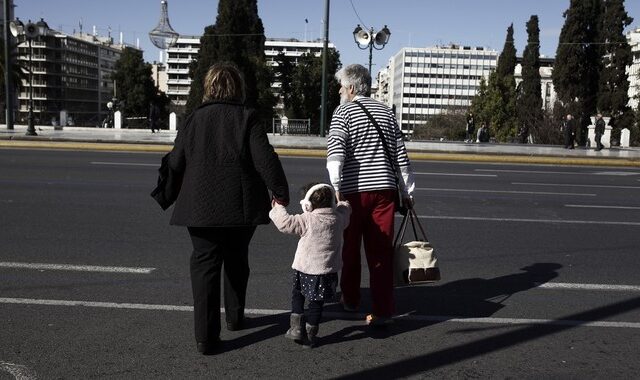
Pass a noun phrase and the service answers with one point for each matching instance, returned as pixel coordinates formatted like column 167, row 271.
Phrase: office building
column 633, row 37
column 179, row 56
column 70, row 72
column 423, row 82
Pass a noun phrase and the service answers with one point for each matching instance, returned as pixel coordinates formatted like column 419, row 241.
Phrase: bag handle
column 413, row 217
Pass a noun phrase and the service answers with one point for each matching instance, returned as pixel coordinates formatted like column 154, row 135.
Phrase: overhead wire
column 357, row 15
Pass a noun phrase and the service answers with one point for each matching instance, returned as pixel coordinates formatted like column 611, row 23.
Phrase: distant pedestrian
column 600, row 126
column 228, row 164
column 317, row 259
column 368, row 164
column 483, row 134
column 569, row 129
column 154, row 116
column 471, row 127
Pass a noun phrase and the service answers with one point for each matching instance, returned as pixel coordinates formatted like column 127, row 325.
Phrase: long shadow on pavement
column 468, row 298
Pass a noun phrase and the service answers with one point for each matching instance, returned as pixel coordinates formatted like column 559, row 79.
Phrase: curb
column 159, row 147
column 80, row 145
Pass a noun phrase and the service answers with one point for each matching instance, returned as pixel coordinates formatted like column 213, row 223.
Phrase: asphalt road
column 539, row 265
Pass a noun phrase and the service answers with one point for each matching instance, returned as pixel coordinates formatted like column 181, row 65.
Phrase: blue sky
column 415, row 23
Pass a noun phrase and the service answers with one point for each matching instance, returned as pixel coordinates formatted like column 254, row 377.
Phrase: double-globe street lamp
column 29, row 32
column 370, row 39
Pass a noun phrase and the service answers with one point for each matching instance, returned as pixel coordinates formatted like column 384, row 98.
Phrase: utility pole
column 8, row 94
column 325, row 53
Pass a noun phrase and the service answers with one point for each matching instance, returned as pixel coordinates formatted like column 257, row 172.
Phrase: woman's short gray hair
column 357, row 76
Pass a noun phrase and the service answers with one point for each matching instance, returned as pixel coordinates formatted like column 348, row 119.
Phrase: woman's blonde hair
column 223, row 82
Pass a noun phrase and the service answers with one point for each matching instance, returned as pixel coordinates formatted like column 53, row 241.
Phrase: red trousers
column 371, row 221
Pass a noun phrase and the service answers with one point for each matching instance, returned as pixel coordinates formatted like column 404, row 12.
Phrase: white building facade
column 633, row 71
column 423, row 82
column 70, row 73
column 180, row 56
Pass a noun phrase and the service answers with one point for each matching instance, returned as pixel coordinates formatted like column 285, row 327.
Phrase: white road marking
column 504, row 192
column 457, row 174
column 604, row 287
column 341, row 315
column 79, row 268
column 20, row 372
column 612, row 173
column 607, row 207
column 109, row 305
column 523, row 321
column 522, row 220
column 123, row 163
column 573, row 185
column 616, row 173
column 527, row 171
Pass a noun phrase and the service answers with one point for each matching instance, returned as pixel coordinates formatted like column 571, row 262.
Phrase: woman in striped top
column 364, row 158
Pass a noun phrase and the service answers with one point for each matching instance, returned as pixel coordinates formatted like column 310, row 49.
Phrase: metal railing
column 291, row 126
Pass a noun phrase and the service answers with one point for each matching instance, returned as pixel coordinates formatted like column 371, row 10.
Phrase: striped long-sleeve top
column 356, row 159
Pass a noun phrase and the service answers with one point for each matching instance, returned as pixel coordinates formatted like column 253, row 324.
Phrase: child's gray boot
column 312, row 336
column 296, row 328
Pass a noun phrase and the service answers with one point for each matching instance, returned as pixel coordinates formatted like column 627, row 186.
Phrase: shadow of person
column 466, row 298
column 257, row 329
column 473, row 297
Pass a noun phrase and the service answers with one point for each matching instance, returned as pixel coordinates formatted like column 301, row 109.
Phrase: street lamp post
column 370, row 39
column 29, row 32
column 7, row 66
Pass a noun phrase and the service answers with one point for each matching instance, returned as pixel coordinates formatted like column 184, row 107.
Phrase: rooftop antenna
column 163, row 36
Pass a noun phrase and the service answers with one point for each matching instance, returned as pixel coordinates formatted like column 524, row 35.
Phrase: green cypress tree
column 283, row 73
column 530, row 90
column 502, row 91
column 613, row 93
column 307, row 86
column 134, row 83
column 577, row 64
column 237, row 37
column 593, row 66
column 507, row 59
column 478, row 104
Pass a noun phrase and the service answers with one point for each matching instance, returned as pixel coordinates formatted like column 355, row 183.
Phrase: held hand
column 340, row 197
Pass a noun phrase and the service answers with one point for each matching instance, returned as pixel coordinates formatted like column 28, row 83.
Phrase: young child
column 318, row 256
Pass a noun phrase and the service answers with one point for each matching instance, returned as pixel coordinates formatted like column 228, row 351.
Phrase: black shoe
column 235, row 326
column 209, row 348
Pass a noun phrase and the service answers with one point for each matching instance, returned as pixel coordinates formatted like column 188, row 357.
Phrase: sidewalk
column 144, row 140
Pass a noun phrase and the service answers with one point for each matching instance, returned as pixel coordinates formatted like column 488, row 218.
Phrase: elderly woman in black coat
column 227, row 165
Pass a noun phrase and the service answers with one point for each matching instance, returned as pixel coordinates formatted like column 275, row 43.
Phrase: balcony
column 178, row 71
column 186, row 82
column 179, row 60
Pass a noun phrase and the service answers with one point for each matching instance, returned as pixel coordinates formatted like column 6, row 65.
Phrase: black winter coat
column 227, row 165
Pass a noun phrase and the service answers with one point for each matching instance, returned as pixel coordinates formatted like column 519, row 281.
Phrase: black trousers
column 599, row 140
column 213, row 247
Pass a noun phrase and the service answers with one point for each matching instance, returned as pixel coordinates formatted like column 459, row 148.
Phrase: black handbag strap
column 413, row 217
column 384, row 142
